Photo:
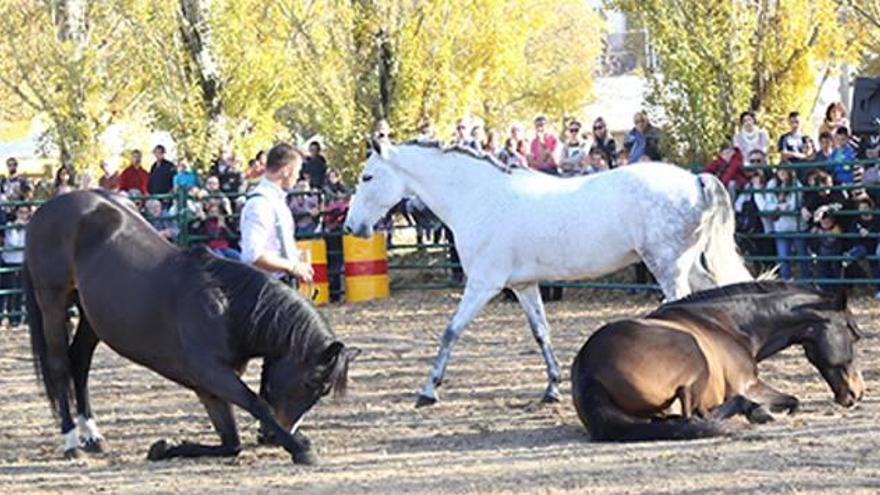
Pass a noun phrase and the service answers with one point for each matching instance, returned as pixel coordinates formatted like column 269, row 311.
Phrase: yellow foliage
column 717, row 59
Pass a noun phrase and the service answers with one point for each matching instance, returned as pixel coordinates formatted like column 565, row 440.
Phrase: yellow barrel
column 320, row 287
column 366, row 268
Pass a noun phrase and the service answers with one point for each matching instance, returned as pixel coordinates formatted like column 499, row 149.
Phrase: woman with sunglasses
column 604, row 141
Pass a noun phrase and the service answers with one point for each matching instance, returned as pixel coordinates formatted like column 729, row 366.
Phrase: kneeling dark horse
column 191, row 317
column 674, row 373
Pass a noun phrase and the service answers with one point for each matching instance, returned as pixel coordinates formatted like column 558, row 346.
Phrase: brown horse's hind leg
column 223, row 420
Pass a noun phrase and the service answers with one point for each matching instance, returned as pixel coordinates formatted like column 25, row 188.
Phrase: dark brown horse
column 673, row 373
column 187, row 315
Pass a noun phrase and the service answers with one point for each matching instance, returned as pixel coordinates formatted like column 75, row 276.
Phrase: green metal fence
column 429, row 265
column 436, row 269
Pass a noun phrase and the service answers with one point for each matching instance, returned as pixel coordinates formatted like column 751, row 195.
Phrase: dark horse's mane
column 267, row 312
column 748, row 289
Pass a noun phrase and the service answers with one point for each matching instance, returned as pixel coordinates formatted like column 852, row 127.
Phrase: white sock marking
column 71, row 439
column 89, row 427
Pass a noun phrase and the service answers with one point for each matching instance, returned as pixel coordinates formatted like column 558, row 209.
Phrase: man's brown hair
column 281, row 155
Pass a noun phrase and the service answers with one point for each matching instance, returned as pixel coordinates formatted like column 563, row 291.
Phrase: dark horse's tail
column 39, row 347
column 608, row 423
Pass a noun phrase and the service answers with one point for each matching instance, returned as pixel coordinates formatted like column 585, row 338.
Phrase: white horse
column 516, row 227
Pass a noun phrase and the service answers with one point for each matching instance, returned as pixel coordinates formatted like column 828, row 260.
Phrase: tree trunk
column 197, row 38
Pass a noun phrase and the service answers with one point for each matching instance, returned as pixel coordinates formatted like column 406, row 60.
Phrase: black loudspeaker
column 866, row 106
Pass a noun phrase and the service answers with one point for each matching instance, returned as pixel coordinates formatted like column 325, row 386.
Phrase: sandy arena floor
column 489, row 433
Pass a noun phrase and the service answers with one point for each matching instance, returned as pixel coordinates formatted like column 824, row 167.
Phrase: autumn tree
column 717, row 59
column 67, row 61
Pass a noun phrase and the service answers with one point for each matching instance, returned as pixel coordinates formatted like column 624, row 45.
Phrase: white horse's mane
column 466, row 150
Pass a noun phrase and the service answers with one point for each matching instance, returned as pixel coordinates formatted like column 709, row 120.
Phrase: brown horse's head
column 828, row 344
column 294, row 385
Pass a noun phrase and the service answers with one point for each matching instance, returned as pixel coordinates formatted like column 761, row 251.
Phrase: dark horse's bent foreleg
column 223, row 420
column 220, row 384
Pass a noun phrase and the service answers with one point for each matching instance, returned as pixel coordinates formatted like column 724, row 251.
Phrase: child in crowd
column 828, row 245
column 866, row 225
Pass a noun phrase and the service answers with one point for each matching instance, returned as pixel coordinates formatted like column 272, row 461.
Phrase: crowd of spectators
column 212, row 202
column 799, row 208
column 777, row 218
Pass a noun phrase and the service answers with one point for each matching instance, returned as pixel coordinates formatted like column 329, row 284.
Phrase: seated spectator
column 476, row 140
column 786, row 204
column 490, row 145
column 227, row 170
column 828, row 244
column 212, row 189
column 751, row 137
column 13, row 258
column 256, row 168
column 597, row 161
column 185, row 178
column 542, row 153
column 64, row 181
column 134, row 176
column 426, row 132
column 603, row 140
column 214, row 228
column 336, row 198
column 823, row 197
column 642, row 140
column 866, row 225
column 109, row 181
column 460, row 137
column 792, row 143
column 623, row 154
column 510, row 156
column 164, row 224
column 305, row 207
column 871, row 176
column 573, row 153
column 842, row 156
column 826, row 148
column 518, row 133
column 728, row 167
column 751, row 202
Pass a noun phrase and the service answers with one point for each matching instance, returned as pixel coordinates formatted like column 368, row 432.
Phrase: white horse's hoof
column 424, row 401
column 552, row 395
column 71, row 454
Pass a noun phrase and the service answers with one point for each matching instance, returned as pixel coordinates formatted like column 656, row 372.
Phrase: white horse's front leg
column 530, row 300
column 471, row 303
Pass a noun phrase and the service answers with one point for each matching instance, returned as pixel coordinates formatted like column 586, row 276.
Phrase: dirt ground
column 489, row 433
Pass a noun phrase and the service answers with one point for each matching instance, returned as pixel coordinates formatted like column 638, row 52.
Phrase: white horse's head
column 380, row 188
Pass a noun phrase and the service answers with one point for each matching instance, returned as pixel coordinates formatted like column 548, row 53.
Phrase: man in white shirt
column 267, row 231
column 267, row 228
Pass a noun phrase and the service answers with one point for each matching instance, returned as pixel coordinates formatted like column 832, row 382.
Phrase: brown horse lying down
column 691, row 362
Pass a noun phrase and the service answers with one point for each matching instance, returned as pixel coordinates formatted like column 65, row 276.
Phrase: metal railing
column 437, row 269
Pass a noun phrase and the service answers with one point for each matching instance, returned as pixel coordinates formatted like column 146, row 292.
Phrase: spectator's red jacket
column 732, row 171
column 134, row 178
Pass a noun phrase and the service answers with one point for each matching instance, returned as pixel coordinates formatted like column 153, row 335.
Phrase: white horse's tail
column 718, row 225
